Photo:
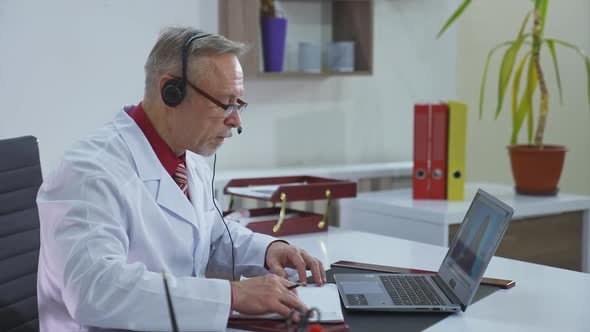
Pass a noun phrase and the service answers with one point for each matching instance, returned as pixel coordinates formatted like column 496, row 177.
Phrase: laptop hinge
column 448, row 292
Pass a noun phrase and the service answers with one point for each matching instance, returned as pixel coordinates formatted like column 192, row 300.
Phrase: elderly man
column 135, row 199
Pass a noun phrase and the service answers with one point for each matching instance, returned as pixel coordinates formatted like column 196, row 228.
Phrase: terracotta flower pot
column 537, row 170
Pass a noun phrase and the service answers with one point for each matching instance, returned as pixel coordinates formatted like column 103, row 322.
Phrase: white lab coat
column 112, row 219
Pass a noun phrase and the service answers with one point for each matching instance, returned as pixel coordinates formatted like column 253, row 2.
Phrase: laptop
column 452, row 288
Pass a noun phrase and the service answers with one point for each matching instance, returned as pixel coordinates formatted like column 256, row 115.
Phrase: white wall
column 67, row 66
column 487, row 23
column 352, row 119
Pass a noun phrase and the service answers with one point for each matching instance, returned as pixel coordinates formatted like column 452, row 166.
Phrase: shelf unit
column 239, row 20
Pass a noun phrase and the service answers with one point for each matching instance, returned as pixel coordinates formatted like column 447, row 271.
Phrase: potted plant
column 536, row 166
column 274, row 31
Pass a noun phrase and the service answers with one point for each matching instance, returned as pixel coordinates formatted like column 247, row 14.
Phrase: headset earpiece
column 172, row 92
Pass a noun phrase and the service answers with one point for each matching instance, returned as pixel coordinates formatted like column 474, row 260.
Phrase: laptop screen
column 474, row 245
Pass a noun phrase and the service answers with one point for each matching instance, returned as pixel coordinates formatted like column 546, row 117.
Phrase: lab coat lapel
column 171, row 197
column 149, row 168
column 199, row 185
column 202, row 202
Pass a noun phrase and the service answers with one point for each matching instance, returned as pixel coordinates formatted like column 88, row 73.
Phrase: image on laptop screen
column 474, row 245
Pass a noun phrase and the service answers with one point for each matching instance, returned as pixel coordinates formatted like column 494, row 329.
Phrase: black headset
column 174, row 90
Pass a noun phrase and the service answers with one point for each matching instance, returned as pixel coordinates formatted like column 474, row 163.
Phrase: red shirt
column 164, row 153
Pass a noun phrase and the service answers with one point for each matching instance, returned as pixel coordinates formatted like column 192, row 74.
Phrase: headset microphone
column 239, row 130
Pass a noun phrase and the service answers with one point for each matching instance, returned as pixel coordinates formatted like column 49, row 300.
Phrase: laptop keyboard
column 411, row 290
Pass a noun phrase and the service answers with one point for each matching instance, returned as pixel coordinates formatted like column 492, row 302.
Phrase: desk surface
column 544, row 298
column 452, row 212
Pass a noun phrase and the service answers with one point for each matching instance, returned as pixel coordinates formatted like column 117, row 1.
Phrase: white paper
column 252, row 192
column 324, row 298
column 262, row 191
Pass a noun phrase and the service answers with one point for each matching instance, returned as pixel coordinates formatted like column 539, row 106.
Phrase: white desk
column 544, row 298
column 395, row 213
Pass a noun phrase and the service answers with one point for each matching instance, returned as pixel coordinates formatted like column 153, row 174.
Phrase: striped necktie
column 181, row 178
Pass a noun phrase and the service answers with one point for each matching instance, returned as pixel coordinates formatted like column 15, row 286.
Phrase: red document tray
column 305, row 222
column 295, row 188
column 312, row 188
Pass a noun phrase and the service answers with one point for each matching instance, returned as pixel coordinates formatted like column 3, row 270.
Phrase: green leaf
column 453, row 17
column 588, row 75
column 582, row 54
column 524, row 23
column 518, row 74
column 485, row 74
column 543, row 11
column 551, row 46
column 506, row 70
column 516, row 85
column 525, row 108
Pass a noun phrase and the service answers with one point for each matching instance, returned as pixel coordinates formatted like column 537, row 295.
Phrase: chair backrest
column 20, row 178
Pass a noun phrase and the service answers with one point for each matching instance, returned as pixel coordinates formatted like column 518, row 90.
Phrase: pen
column 295, row 286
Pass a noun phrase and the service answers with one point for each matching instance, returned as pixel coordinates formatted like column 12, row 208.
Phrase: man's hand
column 280, row 255
column 267, row 294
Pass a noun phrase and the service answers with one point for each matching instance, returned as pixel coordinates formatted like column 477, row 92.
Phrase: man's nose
column 234, row 120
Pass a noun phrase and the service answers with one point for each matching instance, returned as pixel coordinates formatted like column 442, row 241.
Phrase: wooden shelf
column 351, row 20
column 297, row 74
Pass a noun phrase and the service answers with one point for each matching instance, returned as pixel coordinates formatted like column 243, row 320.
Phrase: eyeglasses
column 228, row 109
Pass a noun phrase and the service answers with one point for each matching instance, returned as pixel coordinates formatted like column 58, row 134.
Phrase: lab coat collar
column 149, row 168
column 146, row 162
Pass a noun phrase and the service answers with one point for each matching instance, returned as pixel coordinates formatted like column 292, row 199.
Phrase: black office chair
column 20, row 178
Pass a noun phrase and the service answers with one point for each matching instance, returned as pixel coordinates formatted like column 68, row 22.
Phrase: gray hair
column 166, row 56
